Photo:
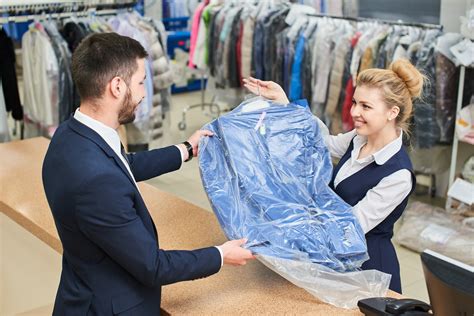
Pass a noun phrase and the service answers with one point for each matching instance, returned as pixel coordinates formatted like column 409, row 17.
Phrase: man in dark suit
column 112, row 263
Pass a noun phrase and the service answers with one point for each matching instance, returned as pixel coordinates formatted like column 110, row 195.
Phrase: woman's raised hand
column 267, row 89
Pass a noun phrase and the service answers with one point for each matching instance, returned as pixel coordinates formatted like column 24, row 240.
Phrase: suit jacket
column 112, row 264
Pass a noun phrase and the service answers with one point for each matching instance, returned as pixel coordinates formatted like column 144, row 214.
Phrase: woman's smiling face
column 369, row 112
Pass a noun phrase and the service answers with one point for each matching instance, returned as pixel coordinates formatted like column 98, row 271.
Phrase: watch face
column 189, row 147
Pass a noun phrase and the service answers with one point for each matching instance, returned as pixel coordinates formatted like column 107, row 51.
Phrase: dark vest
column 354, row 188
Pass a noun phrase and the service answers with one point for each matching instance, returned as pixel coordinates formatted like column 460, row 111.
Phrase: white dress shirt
column 111, row 137
column 382, row 199
column 108, row 134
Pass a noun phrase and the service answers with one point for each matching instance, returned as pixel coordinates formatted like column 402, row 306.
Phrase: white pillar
column 451, row 10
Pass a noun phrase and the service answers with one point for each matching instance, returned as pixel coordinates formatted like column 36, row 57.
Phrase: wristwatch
column 189, row 148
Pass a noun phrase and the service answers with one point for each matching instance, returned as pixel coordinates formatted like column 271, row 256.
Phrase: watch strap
column 189, row 148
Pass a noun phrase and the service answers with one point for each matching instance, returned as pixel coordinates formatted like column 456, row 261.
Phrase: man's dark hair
column 101, row 57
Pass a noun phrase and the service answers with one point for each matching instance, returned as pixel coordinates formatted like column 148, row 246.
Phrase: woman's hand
column 267, row 89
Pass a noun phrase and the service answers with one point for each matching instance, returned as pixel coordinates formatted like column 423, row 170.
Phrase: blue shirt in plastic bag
column 266, row 172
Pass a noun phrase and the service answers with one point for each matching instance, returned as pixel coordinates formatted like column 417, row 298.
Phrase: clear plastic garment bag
column 266, row 172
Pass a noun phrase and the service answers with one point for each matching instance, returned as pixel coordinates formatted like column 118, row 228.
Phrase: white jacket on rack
column 40, row 75
column 4, row 134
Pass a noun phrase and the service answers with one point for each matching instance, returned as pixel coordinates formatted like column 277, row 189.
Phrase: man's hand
column 234, row 254
column 194, row 139
column 267, row 89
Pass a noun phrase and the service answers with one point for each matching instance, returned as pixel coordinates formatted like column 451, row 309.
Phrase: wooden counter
column 251, row 289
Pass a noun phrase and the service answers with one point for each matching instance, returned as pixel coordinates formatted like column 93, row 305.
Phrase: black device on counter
column 385, row 306
column 450, row 286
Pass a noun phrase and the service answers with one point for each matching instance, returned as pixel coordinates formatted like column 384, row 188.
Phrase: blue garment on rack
column 296, row 89
column 266, row 173
column 257, row 51
column 287, row 65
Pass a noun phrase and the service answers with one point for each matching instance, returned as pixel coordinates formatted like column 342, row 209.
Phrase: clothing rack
column 214, row 109
column 361, row 19
column 55, row 9
column 64, row 6
column 27, row 12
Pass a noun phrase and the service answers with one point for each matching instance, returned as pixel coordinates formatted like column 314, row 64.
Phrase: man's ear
column 116, row 87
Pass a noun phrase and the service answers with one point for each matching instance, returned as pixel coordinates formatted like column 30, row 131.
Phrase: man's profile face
column 134, row 95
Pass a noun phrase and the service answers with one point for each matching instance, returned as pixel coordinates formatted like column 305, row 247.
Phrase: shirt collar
column 384, row 154
column 110, row 135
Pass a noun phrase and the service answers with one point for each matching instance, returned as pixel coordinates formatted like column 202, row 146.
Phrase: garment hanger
column 92, row 19
column 298, row 24
column 32, row 27
column 40, row 18
column 256, row 103
column 310, row 28
column 72, row 12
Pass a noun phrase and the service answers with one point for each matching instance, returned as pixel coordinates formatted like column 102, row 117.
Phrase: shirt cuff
column 181, row 152
column 222, row 255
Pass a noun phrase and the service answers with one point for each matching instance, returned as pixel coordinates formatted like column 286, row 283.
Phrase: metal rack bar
column 26, row 18
column 214, row 109
column 57, row 7
column 361, row 19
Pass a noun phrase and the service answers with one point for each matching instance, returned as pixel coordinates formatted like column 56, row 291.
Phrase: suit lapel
column 87, row 132
column 90, row 134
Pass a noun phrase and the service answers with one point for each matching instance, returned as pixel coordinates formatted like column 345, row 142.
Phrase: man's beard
column 127, row 110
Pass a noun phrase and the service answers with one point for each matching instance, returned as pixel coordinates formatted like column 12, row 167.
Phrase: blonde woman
column 374, row 173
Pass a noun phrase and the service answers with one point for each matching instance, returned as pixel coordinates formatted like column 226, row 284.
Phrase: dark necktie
column 124, row 154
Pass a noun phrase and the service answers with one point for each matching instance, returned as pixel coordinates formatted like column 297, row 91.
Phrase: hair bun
column 411, row 76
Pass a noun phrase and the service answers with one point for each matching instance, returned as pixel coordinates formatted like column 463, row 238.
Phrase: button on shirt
column 382, row 199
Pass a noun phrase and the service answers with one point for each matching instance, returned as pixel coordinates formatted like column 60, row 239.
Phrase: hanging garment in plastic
column 266, row 172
